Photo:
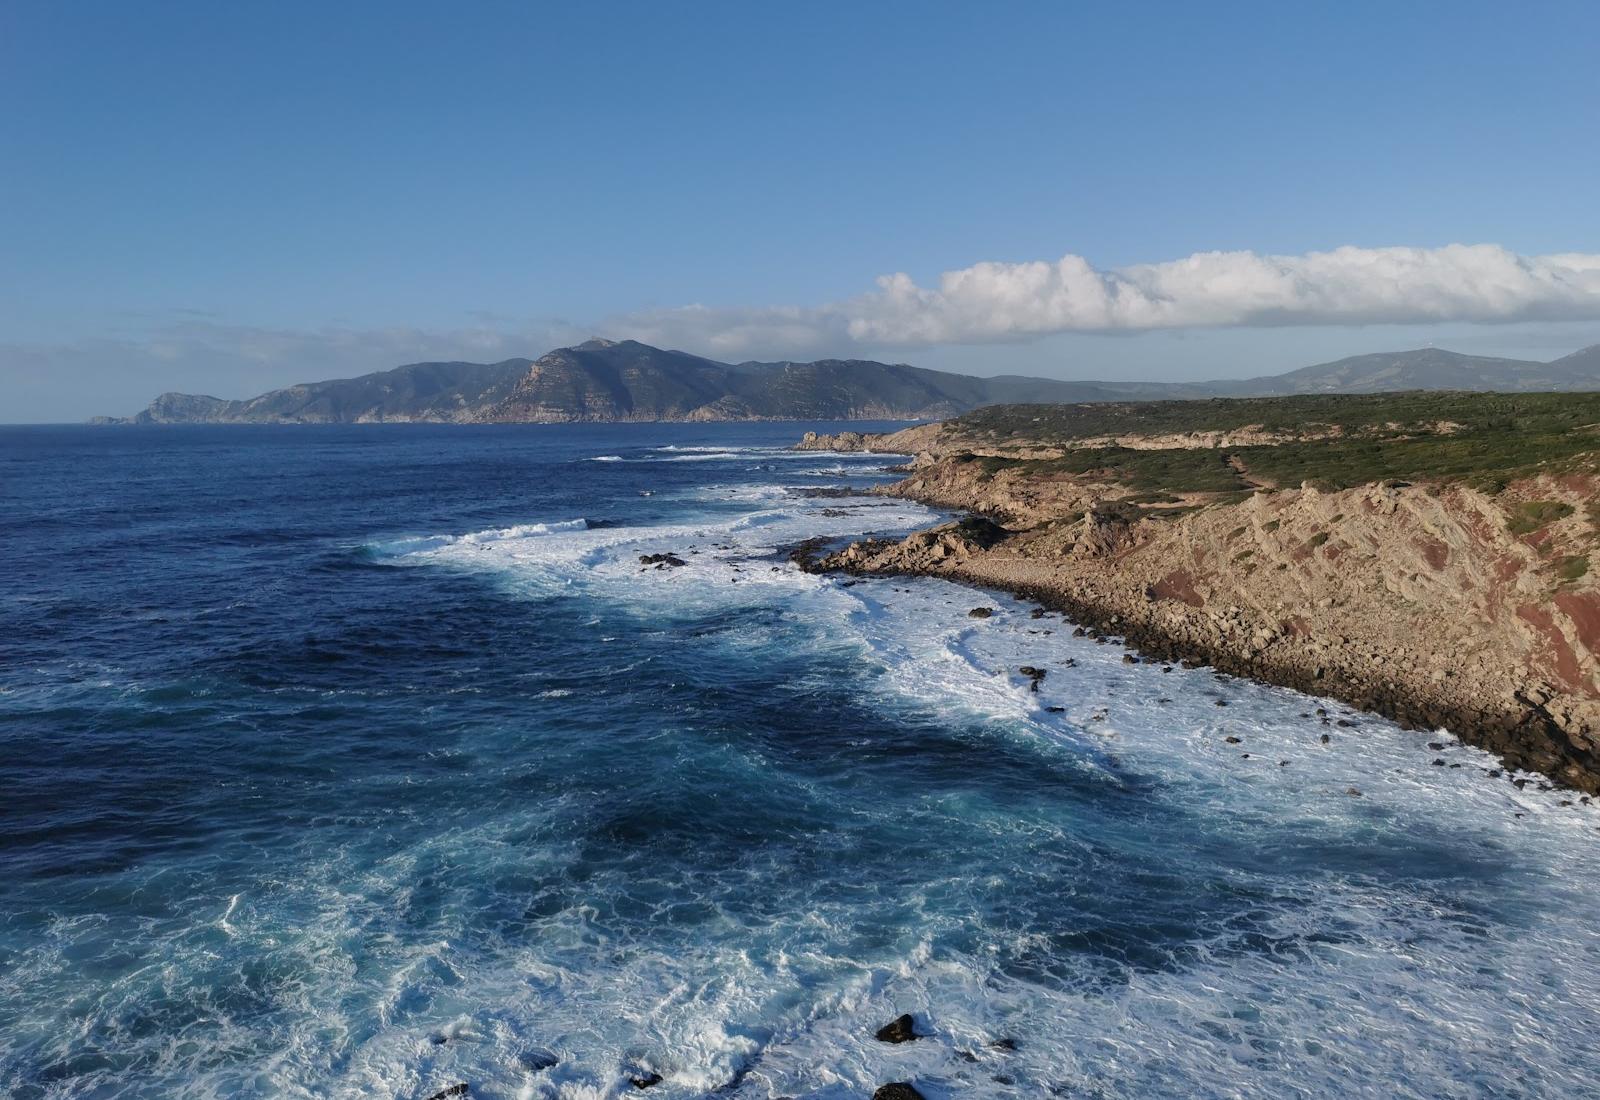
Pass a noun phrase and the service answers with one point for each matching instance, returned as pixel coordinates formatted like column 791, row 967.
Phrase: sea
column 370, row 761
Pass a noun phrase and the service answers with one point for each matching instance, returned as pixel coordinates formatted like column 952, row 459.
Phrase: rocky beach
column 1442, row 603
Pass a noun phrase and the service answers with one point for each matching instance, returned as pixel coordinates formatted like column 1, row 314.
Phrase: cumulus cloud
column 985, row 304
column 1001, row 302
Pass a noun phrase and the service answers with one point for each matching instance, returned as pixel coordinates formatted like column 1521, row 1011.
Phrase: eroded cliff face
column 1442, row 606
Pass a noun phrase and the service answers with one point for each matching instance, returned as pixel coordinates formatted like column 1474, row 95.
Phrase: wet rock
column 659, row 560
column 537, row 1061
column 1353, row 792
column 1056, row 710
column 902, row 1029
column 1438, row 762
column 1079, row 632
column 645, row 1080
column 1326, row 739
column 460, row 1089
column 1436, row 746
column 1232, row 740
column 1007, row 1045
column 1129, row 659
column 1034, row 675
column 1222, row 702
column 1038, row 613
column 980, row 613
column 897, row 1090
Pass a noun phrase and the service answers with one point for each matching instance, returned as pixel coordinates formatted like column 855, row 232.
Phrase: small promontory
column 1426, row 556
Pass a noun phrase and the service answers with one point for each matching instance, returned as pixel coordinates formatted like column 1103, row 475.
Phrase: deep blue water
column 362, row 761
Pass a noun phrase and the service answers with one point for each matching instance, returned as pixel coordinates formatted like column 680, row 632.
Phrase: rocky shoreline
column 1412, row 602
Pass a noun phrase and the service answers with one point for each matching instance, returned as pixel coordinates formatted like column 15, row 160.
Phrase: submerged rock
column 902, row 1029
column 645, row 1080
column 460, row 1089
column 897, row 1090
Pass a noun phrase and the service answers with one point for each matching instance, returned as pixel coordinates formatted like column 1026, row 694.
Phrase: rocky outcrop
column 897, row 1090
column 902, row 1029
column 906, row 441
column 1440, row 606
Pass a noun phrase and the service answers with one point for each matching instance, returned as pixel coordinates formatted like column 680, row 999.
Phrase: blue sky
column 225, row 198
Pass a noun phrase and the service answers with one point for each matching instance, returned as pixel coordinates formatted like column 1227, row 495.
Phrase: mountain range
column 604, row 380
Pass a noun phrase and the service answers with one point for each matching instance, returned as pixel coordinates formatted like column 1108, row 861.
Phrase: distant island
column 1430, row 556
column 604, row 380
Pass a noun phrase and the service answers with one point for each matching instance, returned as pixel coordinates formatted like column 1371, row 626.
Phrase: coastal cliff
column 1451, row 601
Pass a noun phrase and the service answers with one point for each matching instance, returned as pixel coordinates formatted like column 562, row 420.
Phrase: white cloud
column 990, row 304
column 1002, row 302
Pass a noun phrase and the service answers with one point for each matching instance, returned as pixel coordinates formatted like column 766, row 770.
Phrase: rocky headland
column 1439, row 574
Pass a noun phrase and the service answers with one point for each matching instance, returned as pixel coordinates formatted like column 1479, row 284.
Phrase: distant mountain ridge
column 604, row 380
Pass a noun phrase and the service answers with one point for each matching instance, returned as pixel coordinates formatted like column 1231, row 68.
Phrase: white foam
column 1413, row 998
column 428, row 544
column 727, row 559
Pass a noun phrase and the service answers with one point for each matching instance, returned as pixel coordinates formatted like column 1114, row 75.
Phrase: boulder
column 980, row 613
column 897, row 1090
column 902, row 1029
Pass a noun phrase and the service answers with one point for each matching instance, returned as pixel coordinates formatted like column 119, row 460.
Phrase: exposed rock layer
column 1429, row 604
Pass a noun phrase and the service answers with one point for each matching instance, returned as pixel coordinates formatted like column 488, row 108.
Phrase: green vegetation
column 1349, row 412
column 1531, row 515
column 1158, row 473
column 1574, row 568
column 1485, row 439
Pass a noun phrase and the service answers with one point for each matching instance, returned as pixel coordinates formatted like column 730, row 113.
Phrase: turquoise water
column 349, row 762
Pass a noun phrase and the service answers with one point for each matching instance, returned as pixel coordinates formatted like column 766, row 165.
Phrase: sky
column 226, row 198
